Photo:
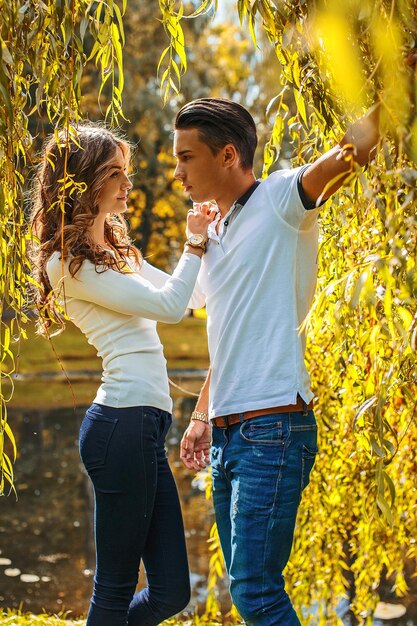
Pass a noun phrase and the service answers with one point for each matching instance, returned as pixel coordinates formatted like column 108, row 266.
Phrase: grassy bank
column 12, row 618
column 185, row 347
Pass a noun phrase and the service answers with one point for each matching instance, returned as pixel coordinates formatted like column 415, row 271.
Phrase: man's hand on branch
column 411, row 59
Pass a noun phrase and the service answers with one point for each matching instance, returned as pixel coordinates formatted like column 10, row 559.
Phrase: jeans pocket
column 95, row 434
column 267, row 432
column 308, row 459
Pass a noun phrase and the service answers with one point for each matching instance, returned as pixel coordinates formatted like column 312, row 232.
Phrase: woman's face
column 116, row 186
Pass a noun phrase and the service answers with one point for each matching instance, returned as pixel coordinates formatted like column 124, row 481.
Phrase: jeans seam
column 143, row 459
column 221, row 454
column 284, row 448
column 305, row 451
column 271, row 520
column 303, row 467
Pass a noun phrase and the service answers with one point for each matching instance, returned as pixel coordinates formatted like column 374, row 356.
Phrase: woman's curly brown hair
column 65, row 197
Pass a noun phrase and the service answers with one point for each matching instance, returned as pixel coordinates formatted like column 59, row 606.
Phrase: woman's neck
column 97, row 231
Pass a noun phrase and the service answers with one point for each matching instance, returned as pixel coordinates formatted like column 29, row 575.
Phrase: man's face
column 199, row 170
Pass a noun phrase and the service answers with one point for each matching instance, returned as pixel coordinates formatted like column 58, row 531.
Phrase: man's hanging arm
column 196, row 441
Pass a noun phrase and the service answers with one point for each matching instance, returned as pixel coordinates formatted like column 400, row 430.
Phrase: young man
column 257, row 280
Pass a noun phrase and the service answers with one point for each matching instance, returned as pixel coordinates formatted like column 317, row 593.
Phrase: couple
column 253, row 263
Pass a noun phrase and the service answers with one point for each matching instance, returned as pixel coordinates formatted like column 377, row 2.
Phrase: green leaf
column 5, row 54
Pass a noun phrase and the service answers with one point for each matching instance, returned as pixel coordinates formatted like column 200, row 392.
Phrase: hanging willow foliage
column 174, row 58
column 358, row 524
column 45, row 46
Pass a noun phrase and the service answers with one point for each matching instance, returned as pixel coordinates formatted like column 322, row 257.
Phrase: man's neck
column 234, row 191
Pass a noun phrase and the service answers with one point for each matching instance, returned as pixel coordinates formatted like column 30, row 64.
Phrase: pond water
column 46, row 536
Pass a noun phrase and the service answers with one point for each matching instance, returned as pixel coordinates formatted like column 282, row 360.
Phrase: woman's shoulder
column 53, row 263
column 58, row 268
column 53, row 267
column 54, row 259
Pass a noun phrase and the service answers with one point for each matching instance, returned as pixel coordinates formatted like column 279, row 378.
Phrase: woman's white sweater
column 118, row 312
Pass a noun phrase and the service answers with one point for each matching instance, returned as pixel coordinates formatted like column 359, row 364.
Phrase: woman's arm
column 129, row 293
column 126, row 293
column 158, row 278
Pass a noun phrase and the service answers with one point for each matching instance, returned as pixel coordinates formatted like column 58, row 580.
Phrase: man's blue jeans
column 260, row 468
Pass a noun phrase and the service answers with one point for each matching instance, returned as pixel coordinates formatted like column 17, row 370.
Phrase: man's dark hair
column 220, row 122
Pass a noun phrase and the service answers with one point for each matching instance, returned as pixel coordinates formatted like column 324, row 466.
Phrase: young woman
column 86, row 266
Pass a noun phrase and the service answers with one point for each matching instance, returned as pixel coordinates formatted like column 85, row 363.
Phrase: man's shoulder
column 283, row 176
column 278, row 184
column 283, row 192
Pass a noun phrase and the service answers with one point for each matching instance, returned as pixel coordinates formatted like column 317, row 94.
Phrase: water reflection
column 46, row 537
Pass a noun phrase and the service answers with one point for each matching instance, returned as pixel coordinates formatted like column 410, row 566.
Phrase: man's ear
column 230, row 155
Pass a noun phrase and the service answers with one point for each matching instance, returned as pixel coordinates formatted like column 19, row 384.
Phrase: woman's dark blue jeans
column 137, row 517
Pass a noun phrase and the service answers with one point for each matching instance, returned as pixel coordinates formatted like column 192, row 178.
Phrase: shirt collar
column 245, row 197
column 211, row 231
column 234, row 209
column 240, row 202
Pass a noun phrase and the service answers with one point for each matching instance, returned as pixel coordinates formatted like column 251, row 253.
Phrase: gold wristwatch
column 197, row 241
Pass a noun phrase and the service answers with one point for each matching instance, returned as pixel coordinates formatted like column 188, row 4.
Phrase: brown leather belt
column 235, row 418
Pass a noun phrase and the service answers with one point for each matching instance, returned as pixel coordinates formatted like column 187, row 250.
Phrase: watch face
column 196, row 239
